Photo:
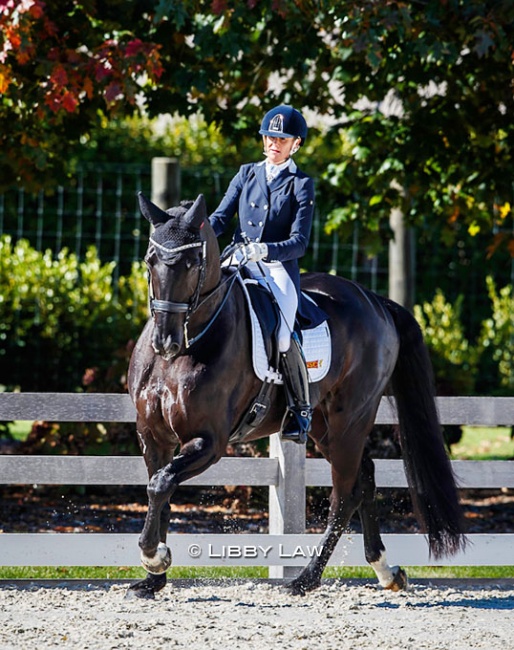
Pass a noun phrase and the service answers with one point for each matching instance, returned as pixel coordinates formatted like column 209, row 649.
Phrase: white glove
column 256, row 252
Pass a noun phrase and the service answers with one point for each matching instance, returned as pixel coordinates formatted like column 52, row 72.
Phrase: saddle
column 264, row 309
column 264, row 318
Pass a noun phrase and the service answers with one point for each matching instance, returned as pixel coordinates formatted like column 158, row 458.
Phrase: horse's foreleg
column 393, row 578
column 195, row 456
column 155, row 555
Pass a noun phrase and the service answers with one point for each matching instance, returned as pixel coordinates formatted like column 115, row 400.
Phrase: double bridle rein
column 194, row 303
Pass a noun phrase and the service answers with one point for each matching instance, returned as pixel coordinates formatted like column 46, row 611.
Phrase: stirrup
column 296, row 424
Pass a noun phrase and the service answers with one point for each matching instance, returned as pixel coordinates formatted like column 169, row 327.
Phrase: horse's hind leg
column 344, row 501
column 393, row 578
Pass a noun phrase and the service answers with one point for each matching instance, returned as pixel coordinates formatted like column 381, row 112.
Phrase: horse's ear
column 197, row 213
column 150, row 211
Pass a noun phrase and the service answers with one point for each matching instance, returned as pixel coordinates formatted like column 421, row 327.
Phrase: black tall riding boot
column 297, row 420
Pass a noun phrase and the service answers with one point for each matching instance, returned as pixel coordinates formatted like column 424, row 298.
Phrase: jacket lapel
column 285, row 177
column 260, row 175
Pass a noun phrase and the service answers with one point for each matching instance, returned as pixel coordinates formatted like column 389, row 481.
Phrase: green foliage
column 484, row 443
column 433, row 136
column 453, row 358
column 460, row 366
column 60, row 316
column 195, row 142
column 423, row 91
column 497, row 335
column 81, row 438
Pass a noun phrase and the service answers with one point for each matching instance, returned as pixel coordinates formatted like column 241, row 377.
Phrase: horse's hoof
column 299, row 586
column 400, row 581
column 160, row 562
column 146, row 588
column 144, row 593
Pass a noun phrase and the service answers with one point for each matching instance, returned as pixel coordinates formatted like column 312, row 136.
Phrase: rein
column 189, row 342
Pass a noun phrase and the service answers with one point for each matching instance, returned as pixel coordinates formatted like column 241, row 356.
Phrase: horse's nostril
column 174, row 348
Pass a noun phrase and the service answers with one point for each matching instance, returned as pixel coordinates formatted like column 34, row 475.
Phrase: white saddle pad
column 317, row 348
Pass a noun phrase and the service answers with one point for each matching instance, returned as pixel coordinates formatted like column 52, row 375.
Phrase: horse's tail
column 429, row 472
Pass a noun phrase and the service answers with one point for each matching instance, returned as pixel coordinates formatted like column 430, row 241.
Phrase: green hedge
column 67, row 325
column 485, row 365
column 62, row 319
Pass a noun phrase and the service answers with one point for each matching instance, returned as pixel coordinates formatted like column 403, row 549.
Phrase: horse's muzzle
column 168, row 347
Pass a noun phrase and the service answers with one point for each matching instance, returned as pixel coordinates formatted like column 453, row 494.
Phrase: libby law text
column 236, row 551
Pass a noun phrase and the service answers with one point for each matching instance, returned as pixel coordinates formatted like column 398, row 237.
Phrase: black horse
column 192, row 382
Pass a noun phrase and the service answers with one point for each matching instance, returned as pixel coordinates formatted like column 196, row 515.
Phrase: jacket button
column 265, row 207
column 252, row 204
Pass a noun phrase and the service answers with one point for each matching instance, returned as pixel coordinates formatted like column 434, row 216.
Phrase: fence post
column 166, row 185
column 287, row 499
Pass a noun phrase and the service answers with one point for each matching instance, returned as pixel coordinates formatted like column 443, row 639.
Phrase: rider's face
column 278, row 150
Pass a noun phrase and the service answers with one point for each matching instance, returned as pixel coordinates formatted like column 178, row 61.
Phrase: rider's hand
column 256, row 252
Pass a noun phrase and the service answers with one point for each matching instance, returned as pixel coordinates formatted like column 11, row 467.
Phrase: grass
column 481, row 443
column 247, row 573
column 20, row 429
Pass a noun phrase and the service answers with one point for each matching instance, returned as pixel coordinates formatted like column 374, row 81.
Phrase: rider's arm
column 302, row 213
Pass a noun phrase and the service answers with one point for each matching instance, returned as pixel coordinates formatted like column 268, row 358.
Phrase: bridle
column 169, row 305
column 188, row 308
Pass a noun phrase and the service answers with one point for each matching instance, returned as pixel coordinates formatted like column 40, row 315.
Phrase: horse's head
column 183, row 262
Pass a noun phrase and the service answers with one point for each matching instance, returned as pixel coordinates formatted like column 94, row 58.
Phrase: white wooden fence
column 287, row 472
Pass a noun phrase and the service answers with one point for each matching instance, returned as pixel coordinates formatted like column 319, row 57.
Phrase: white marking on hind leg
column 385, row 573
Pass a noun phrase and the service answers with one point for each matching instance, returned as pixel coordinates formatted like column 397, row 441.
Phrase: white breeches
column 275, row 278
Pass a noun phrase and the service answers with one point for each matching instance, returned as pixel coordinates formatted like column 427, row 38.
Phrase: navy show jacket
column 279, row 214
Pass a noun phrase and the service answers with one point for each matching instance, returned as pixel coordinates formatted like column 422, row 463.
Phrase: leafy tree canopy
column 422, row 88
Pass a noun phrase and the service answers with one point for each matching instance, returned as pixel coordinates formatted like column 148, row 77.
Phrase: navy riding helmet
column 284, row 122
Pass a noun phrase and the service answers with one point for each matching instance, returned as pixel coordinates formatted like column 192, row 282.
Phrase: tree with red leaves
column 62, row 66
column 423, row 89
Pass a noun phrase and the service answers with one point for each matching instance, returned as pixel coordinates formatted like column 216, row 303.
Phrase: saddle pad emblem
column 314, row 364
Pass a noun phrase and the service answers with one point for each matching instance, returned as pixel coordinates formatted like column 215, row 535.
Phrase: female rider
column 274, row 202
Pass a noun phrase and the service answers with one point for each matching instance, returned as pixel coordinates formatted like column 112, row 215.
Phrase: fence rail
column 287, row 472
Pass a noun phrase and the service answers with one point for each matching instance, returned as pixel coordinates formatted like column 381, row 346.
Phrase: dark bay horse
column 192, row 381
